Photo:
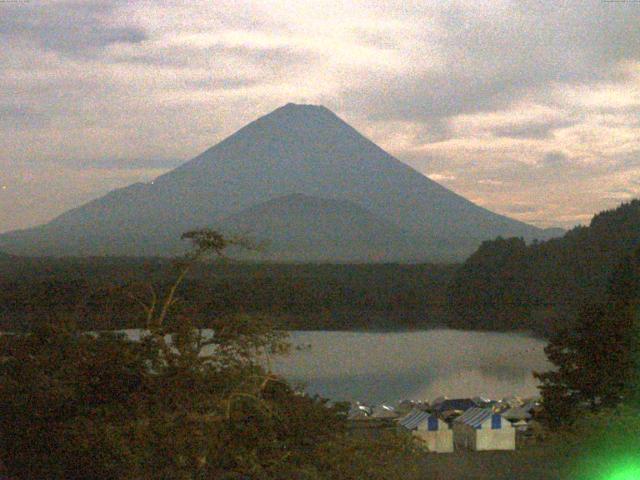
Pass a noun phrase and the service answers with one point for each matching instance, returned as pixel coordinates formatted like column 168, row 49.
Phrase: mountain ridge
column 292, row 149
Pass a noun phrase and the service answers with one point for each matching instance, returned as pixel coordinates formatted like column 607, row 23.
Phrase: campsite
column 512, row 453
column 457, row 425
column 440, row 459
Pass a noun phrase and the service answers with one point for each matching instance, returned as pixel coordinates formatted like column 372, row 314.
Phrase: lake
column 419, row 365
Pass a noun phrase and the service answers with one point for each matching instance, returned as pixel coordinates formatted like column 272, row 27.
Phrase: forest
column 509, row 285
column 505, row 285
column 101, row 293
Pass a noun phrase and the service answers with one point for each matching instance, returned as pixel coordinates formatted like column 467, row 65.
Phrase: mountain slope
column 302, row 228
column 296, row 148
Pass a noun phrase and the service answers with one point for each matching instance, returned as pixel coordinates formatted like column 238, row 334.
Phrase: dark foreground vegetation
column 80, row 407
column 87, row 406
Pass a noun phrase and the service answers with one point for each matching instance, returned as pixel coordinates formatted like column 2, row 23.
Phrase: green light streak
column 628, row 470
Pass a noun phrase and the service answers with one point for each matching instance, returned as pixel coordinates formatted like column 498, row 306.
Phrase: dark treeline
column 507, row 284
column 103, row 293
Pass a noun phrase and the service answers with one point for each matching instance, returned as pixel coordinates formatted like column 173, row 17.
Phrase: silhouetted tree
column 177, row 404
column 597, row 361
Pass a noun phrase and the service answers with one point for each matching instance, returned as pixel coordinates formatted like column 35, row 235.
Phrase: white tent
column 434, row 432
column 481, row 401
column 481, row 429
column 358, row 412
column 383, row 411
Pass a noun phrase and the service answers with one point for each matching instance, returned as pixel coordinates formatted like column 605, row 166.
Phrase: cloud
column 531, row 130
column 498, row 53
column 507, row 102
column 554, row 160
column 552, row 190
column 439, row 177
column 191, row 56
column 429, row 96
column 21, row 116
column 75, row 28
column 523, row 208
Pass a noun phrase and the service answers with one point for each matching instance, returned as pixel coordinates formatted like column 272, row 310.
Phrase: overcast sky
column 529, row 108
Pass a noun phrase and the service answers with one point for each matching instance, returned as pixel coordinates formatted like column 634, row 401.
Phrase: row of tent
column 476, row 429
column 516, row 411
column 359, row 412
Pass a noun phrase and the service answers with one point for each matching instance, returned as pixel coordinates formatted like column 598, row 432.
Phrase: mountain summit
column 296, row 149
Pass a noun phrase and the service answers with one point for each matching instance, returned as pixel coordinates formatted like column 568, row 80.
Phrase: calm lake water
column 389, row 367
column 422, row 365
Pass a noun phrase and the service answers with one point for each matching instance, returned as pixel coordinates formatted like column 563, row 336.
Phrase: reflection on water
column 388, row 367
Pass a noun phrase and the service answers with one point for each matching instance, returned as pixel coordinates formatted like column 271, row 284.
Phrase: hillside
column 302, row 228
column 294, row 149
column 506, row 284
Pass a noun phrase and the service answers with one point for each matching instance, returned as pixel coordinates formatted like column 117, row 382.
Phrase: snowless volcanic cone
column 296, row 149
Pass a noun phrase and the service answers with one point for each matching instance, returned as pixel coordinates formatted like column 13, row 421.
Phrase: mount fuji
column 300, row 179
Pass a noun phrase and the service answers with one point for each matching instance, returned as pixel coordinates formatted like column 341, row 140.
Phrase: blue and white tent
column 476, row 417
column 482, row 429
column 435, row 433
column 414, row 418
